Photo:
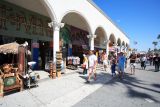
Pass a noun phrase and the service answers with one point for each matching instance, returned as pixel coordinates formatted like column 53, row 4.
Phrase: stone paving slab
column 64, row 91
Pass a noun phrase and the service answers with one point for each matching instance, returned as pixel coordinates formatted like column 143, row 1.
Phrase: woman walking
column 133, row 63
column 85, row 64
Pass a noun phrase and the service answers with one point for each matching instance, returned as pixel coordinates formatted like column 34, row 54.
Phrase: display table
column 9, row 80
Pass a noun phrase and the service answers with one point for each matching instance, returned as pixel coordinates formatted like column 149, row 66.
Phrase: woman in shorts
column 132, row 63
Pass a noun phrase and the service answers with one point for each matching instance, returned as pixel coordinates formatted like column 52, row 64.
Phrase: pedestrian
column 143, row 61
column 99, row 59
column 132, row 63
column 85, row 64
column 156, row 61
column 104, row 59
column 151, row 60
column 126, row 63
column 92, row 59
column 121, row 64
column 113, row 68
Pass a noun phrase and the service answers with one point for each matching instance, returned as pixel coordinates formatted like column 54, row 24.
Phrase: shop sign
column 51, row 44
column 35, row 45
column 84, row 47
column 14, row 18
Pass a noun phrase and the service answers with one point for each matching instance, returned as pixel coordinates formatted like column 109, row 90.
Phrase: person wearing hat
column 121, row 64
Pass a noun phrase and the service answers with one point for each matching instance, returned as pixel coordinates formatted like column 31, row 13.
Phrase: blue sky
column 139, row 19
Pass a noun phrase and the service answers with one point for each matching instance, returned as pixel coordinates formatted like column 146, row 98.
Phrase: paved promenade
column 61, row 92
column 72, row 90
column 139, row 90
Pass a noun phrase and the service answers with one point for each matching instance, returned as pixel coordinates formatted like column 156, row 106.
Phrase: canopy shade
column 10, row 48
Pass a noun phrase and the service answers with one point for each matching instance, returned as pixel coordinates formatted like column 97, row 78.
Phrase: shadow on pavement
column 147, row 69
column 129, row 82
column 153, row 70
column 100, row 78
column 142, row 95
column 156, row 85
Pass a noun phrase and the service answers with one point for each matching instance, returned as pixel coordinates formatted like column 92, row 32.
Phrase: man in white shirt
column 92, row 59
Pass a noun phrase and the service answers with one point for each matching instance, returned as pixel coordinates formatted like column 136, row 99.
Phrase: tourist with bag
column 85, row 64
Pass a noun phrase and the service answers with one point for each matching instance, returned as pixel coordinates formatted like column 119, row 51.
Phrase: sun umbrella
column 10, row 48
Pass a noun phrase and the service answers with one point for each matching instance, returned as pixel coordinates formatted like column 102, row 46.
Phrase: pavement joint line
column 75, row 96
column 149, row 100
column 35, row 97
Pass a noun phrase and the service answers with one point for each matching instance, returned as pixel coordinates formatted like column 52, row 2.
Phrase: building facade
column 55, row 25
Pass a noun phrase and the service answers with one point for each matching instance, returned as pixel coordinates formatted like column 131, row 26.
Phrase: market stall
column 11, row 76
column 73, row 62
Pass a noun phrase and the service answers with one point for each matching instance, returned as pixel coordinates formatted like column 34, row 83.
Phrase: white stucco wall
column 94, row 18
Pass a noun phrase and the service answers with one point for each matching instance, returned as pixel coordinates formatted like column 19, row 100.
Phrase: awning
column 10, row 48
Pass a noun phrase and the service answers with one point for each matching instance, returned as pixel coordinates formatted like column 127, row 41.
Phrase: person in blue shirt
column 121, row 64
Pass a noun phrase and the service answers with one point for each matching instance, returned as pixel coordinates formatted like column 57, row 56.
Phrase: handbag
column 83, row 66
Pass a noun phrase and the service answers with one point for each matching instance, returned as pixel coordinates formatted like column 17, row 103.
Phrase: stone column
column 56, row 32
column 107, row 47
column 55, row 42
column 116, row 48
column 91, row 41
column 120, row 48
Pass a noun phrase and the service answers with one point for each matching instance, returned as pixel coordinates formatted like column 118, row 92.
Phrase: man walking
column 121, row 64
column 156, row 62
column 92, row 59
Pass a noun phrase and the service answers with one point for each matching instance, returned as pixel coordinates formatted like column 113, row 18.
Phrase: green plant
column 65, row 34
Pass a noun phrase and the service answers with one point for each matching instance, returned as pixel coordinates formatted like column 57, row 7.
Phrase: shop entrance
column 45, row 54
column 78, row 31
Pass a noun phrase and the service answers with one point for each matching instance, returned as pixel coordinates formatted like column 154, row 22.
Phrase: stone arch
column 49, row 9
column 127, row 45
column 112, row 40
column 123, row 43
column 79, row 28
column 101, row 37
column 119, row 42
column 79, row 18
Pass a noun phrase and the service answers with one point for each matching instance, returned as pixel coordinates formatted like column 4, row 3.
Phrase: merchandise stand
column 73, row 62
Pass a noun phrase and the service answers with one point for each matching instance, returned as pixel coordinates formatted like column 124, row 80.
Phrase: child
column 113, row 68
